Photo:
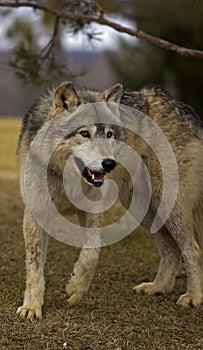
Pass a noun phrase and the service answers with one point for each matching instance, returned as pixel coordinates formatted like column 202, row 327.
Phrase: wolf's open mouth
column 93, row 177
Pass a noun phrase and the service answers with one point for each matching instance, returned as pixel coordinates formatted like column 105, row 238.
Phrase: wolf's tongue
column 97, row 176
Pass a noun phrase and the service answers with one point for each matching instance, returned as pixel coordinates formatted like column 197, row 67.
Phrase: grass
column 9, row 130
column 110, row 317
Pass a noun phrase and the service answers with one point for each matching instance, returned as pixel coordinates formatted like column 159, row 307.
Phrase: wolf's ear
column 65, row 97
column 114, row 93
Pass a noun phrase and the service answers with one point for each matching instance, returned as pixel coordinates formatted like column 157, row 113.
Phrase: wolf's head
column 92, row 120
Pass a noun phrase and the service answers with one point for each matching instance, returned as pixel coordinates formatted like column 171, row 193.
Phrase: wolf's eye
column 109, row 134
column 85, row 133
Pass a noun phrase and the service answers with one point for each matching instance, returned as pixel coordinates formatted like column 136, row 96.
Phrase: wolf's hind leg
column 36, row 245
column 183, row 233
column 192, row 255
column 168, row 267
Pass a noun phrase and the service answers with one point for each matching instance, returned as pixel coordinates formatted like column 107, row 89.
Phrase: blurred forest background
column 132, row 62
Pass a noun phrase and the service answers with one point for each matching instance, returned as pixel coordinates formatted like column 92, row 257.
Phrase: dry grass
column 9, row 130
column 110, row 317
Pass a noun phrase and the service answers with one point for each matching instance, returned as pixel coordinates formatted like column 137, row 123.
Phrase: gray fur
column 182, row 233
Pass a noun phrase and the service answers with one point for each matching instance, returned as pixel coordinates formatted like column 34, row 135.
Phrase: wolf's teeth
column 93, row 177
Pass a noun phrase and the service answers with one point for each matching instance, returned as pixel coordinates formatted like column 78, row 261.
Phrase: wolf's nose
column 108, row 164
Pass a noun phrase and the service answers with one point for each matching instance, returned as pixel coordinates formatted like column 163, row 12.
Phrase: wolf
column 180, row 238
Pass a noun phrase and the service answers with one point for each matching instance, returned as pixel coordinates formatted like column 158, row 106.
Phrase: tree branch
column 49, row 47
column 102, row 20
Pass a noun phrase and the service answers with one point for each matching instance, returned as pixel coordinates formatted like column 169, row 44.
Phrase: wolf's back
column 35, row 118
column 170, row 114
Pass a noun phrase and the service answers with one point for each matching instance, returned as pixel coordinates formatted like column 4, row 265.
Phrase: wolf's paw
column 189, row 299
column 150, row 288
column 74, row 298
column 75, row 289
column 30, row 312
column 74, row 293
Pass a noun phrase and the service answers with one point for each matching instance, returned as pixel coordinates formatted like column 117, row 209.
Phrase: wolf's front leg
column 36, row 245
column 82, row 275
column 85, row 266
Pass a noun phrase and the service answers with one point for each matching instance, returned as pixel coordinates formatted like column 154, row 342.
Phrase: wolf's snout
column 108, row 164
